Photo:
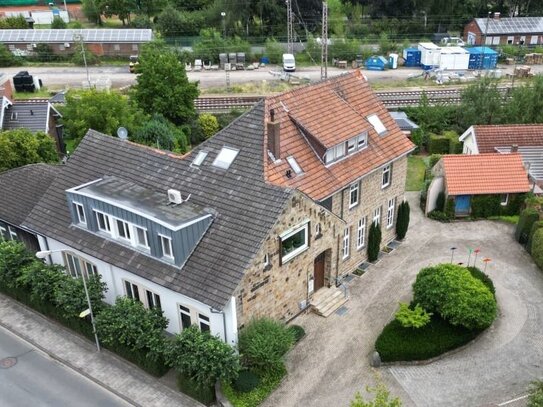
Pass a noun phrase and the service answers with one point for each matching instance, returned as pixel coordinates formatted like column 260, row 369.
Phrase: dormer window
column 103, row 222
column 123, row 229
column 166, row 244
column 348, row 147
column 80, row 213
column 377, row 124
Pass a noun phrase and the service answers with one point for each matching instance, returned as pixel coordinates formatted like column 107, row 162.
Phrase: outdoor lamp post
column 452, row 253
column 42, row 255
column 223, row 15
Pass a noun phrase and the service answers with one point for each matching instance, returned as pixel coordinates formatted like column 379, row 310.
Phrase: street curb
column 65, row 362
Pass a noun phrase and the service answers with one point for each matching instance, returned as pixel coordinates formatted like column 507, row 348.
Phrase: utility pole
column 290, row 28
column 79, row 37
column 484, row 43
column 324, row 43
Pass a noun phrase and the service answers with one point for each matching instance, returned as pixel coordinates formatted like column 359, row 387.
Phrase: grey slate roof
column 532, row 156
column 29, row 115
column 22, row 188
column 403, row 122
column 246, row 206
column 67, row 35
column 514, row 25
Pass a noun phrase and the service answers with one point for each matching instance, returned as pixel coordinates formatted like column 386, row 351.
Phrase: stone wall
column 371, row 196
column 276, row 290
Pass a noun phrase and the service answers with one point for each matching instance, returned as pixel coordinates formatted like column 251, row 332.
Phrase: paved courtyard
column 332, row 362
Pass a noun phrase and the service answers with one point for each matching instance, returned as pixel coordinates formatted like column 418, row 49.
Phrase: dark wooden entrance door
column 318, row 273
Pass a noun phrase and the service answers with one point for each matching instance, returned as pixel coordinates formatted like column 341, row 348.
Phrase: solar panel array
column 515, row 25
column 89, row 35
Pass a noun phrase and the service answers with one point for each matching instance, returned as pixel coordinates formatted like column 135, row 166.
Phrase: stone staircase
column 328, row 300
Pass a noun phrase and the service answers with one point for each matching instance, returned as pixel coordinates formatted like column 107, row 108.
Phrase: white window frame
column 78, row 266
column 204, row 320
column 107, row 222
column 163, row 238
column 361, row 233
column 184, row 310
column 533, row 39
column 346, row 243
column 354, row 189
column 126, row 228
column 377, row 215
column 390, row 212
column 362, row 141
column 137, row 241
column 12, row 233
column 288, row 256
column 116, row 47
column 502, row 201
column 134, row 290
column 3, row 233
column 496, row 40
column 351, row 145
column 510, row 39
column 386, row 173
column 340, row 151
column 266, row 259
column 135, row 47
column 318, row 229
column 80, row 213
column 151, row 299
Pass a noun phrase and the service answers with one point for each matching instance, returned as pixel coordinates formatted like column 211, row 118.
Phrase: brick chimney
column 514, row 148
column 274, row 141
column 497, row 15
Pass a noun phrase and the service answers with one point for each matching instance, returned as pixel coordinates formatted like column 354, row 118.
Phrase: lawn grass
column 397, row 343
column 43, row 93
column 415, row 173
column 507, row 219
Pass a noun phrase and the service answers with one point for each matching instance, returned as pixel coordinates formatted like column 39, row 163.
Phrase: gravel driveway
column 332, row 362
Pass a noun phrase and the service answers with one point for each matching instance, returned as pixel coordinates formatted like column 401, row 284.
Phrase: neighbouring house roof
column 22, row 188
column 532, row 158
column 59, row 97
column 31, row 115
column 491, row 136
column 330, row 112
column 246, row 207
column 514, row 25
column 67, row 35
column 485, row 174
column 403, row 121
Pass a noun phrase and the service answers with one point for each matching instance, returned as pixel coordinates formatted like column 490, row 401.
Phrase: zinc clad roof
column 67, row 35
column 353, row 102
column 479, row 174
column 245, row 206
column 21, row 189
column 514, row 25
column 490, row 137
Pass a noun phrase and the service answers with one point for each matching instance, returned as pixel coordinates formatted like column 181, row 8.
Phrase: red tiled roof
column 479, row 174
column 331, row 111
column 489, row 137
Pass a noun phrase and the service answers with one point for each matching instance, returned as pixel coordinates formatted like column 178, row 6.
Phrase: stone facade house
column 255, row 221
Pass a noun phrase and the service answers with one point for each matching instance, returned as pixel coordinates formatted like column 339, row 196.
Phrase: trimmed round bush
column 484, row 278
column 246, row 381
column 262, row 344
column 456, row 295
column 297, row 331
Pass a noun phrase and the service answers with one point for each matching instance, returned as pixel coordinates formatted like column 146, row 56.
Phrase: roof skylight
column 377, row 124
column 225, row 157
column 200, row 157
column 294, row 165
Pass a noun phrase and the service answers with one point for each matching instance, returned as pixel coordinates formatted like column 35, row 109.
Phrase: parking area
column 332, row 362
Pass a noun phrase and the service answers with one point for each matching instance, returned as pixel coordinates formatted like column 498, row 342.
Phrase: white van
column 289, row 63
column 454, row 41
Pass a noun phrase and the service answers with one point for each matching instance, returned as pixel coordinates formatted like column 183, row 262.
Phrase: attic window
column 292, row 161
column 200, row 157
column 225, row 157
column 14, row 116
column 377, row 124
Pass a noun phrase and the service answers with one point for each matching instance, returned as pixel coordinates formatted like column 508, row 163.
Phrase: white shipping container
column 454, row 58
column 429, row 54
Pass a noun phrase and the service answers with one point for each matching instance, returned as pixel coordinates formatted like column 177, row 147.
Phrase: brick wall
column 275, row 290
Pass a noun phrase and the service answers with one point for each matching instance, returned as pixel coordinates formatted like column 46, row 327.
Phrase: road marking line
column 512, row 401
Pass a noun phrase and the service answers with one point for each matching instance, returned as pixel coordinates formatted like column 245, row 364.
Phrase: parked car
column 456, row 41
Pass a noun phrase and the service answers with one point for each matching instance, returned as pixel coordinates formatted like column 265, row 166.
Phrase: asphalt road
column 36, row 380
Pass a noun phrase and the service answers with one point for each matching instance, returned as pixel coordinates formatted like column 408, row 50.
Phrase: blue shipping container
column 411, row 57
column 376, row 63
column 482, row 58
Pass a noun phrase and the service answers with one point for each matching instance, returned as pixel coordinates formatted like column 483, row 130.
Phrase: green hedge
column 536, row 225
column 527, row 218
column 537, row 248
column 84, row 327
column 483, row 206
column 397, row 343
column 190, row 388
column 438, row 144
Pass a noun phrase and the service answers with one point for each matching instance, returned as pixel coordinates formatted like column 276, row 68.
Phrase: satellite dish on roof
column 122, row 133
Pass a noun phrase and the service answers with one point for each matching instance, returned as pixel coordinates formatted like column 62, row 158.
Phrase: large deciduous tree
column 21, row 147
column 162, row 85
column 100, row 111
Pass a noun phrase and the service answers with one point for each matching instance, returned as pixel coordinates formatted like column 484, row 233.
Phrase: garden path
column 332, row 362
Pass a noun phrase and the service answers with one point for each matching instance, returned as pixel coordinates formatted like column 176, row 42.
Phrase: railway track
column 391, row 99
